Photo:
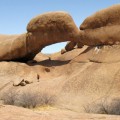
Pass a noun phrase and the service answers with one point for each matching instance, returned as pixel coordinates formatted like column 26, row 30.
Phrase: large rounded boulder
column 102, row 28
column 50, row 28
column 106, row 17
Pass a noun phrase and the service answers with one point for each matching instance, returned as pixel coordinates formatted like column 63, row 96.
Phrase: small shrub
column 113, row 107
column 95, row 108
column 28, row 99
column 47, row 99
column 110, row 106
column 33, row 99
column 9, row 97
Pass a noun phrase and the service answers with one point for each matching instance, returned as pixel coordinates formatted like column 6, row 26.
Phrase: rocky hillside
column 79, row 81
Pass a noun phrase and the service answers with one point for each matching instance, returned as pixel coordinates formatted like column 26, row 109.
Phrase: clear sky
column 15, row 14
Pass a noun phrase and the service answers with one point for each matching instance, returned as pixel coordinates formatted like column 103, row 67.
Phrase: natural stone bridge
column 102, row 28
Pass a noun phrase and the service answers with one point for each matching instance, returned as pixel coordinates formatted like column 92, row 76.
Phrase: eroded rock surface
column 50, row 28
column 13, row 47
column 102, row 28
column 17, row 113
column 43, row 30
column 106, row 17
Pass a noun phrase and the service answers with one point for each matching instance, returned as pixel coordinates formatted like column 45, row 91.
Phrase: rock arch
column 43, row 30
column 102, row 28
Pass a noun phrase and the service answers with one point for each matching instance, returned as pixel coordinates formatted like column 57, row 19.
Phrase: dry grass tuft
column 28, row 99
column 109, row 106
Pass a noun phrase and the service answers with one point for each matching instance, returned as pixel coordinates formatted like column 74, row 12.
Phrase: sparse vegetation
column 95, row 108
column 28, row 99
column 9, row 97
column 34, row 99
column 112, row 107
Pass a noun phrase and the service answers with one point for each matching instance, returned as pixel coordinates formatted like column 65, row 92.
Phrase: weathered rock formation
column 102, row 28
column 50, row 28
column 43, row 30
column 71, row 45
column 12, row 47
column 106, row 17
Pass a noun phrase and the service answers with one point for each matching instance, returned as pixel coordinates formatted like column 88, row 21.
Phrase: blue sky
column 15, row 14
